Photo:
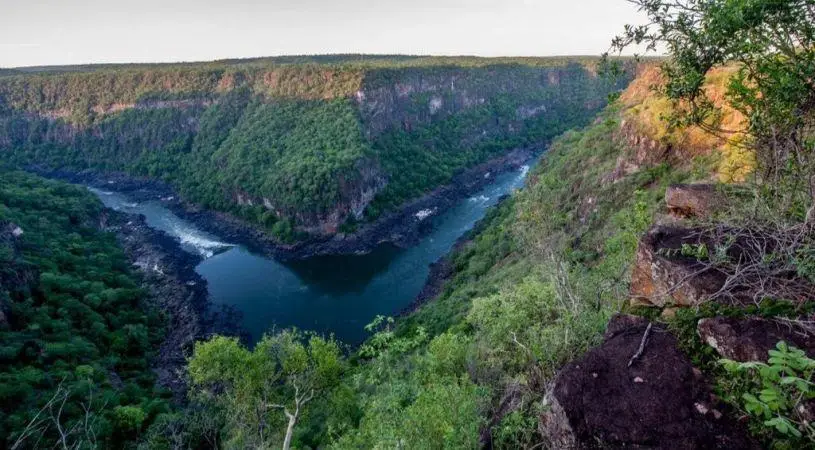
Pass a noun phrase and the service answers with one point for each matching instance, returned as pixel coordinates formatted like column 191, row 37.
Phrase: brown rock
column 554, row 424
column 750, row 339
column 693, row 200
column 598, row 401
column 662, row 276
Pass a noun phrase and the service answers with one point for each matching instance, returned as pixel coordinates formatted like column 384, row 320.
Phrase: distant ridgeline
column 299, row 145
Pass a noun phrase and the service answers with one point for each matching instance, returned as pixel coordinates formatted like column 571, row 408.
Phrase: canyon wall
column 301, row 148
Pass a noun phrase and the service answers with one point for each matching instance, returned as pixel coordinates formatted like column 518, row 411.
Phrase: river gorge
column 336, row 294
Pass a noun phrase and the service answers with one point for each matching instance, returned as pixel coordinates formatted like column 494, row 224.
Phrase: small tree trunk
column 290, row 429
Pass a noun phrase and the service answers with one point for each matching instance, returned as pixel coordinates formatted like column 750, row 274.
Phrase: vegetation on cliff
column 294, row 147
column 538, row 280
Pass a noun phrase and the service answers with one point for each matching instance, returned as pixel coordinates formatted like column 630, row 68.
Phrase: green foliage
column 250, row 390
column 384, row 339
column 516, row 430
column 79, row 329
column 805, row 263
column 129, row 418
column 415, row 395
column 531, row 323
column 773, row 87
column 698, row 251
column 777, row 393
column 294, row 153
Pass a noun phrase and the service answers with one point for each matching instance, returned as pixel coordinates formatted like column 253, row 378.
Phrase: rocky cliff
column 295, row 148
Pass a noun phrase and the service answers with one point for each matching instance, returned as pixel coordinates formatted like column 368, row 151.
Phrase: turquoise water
column 332, row 294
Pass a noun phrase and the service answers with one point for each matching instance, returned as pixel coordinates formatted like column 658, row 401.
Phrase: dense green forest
column 77, row 335
column 296, row 148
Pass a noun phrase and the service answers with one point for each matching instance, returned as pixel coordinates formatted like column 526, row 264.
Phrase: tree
column 284, row 372
column 81, row 432
column 773, row 44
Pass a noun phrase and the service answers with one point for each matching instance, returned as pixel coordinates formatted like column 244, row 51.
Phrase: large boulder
column 750, row 339
column 693, row 200
column 663, row 276
column 658, row 401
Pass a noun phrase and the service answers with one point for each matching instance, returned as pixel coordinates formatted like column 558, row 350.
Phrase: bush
column 777, row 394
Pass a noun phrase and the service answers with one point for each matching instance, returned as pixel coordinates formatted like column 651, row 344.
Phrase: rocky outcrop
column 662, row 275
column 750, row 339
column 411, row 97
column 610, row 399
column 168, row 276
column 738, row 266
column 693, row 200
column 357, row 191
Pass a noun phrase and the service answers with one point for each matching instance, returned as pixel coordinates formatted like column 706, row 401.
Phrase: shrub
column 777, row 393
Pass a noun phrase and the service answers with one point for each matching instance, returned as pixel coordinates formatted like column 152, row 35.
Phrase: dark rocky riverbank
column 168, row 276
column 402, row 228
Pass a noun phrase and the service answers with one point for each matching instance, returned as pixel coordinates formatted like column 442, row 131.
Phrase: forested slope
column 298, row 147
column 532, row 288
column 76, row 334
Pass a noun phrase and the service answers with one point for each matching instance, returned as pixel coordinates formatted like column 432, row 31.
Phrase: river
column 330, row 294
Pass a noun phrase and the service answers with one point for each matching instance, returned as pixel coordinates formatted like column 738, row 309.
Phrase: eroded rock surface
column 660, row 401
column 693, row 200
column 751, row 338
column 663, row 276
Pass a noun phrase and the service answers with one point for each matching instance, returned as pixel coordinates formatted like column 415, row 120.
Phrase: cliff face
column 649, row 140
column 411, row 98
column 294, row 147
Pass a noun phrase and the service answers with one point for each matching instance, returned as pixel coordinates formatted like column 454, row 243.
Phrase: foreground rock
column 751, row 338
column 660, row 401
column 730, row 265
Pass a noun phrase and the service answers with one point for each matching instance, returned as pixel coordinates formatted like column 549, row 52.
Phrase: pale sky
column 45, row 32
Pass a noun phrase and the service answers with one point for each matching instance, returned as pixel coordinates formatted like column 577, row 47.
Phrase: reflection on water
column 329, row 294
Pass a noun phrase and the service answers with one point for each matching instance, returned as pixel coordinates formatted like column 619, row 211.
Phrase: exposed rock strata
column 663, row 276
column 693, row 200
